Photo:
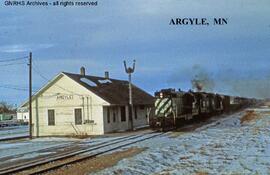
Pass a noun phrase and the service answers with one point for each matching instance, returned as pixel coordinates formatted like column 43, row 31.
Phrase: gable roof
column 111, row 90
column 42, row 89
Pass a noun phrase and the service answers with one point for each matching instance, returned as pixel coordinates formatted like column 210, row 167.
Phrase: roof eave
column 42, row 89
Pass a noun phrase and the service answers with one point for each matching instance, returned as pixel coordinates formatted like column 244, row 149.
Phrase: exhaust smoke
column 201, row 80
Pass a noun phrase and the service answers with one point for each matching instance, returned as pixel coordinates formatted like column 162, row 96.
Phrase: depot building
column 80, row 104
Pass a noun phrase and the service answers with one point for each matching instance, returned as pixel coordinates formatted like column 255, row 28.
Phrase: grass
column 218, row 145
column 249, row 116
column 176, row 134
column 184, row 157
column 201, row 173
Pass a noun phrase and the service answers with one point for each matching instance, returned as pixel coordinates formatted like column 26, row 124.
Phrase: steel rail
column 42, row 161
column 60, row 155
column 57, row 154
column 90, row 156
column 13, row 138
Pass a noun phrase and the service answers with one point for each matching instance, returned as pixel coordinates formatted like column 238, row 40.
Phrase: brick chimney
column 107, row 75
column 82, row 71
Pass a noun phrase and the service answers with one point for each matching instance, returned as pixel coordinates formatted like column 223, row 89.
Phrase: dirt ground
column 96, row 164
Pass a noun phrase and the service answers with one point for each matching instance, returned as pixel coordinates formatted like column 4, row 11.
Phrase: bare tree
column 6, row 108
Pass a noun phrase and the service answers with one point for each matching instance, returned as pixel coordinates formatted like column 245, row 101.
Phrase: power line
column 13, row 87
column 45, row 78
column 12, row 59
column 16, row 86
column 10, row 64
column 42, row 76
column 2, row 65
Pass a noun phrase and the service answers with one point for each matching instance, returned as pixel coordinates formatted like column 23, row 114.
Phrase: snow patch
column 222, row 147
column 89, row 82
column 104, row 81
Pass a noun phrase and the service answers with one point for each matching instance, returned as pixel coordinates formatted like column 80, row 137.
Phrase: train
column 173, row 108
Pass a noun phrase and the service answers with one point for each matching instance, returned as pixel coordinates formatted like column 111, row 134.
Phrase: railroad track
column 71, row 150
column 86, row 153
column 13, row 138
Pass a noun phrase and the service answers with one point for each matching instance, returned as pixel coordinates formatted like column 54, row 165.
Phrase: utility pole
column 129, row 71
column 30, row 95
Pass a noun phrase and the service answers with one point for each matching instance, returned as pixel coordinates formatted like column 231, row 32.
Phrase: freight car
column 173, row 108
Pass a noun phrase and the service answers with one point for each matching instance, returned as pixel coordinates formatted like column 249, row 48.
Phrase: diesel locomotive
column 173, row 108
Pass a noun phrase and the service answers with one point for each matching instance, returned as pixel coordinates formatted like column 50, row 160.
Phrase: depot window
column 51, row 117
column 108, row 115
column 135, row 112
column 123, row 114
column 78, row 116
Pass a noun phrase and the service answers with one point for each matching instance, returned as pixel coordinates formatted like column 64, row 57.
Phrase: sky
column 234, row 57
